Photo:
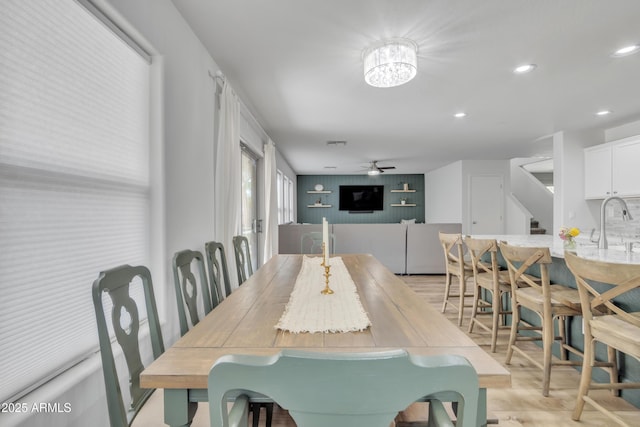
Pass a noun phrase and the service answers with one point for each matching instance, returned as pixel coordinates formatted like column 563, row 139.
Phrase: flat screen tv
column 361, row 198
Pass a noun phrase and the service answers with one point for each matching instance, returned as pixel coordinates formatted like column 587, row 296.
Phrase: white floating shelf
column 318, row 206
column 401, row 205
column 403, row 191
column 319, row 192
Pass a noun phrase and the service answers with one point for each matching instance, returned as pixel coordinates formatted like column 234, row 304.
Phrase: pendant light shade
column 390, row 63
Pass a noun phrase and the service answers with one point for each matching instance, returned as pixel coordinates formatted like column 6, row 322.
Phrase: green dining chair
column 124, row 320
column 243, row 258
column 194, row 296
column 344, row 389
column 217, row 262
column 218, row 268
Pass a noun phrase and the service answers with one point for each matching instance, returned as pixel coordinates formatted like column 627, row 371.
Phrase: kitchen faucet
column 626, row 216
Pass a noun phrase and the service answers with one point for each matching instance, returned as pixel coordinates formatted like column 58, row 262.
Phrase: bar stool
column 547, row 301
column 453, row 247
column 487, row 276
column 605, row 321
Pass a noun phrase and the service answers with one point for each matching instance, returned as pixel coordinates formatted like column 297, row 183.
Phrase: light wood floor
column 523, row 404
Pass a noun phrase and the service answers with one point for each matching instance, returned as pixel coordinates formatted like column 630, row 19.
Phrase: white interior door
column 486, row 205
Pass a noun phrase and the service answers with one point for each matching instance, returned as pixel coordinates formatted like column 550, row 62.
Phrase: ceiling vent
column 337, row 143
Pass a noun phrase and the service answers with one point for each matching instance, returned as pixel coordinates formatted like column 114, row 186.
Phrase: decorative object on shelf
column 318, row 187
column 568, row 235
column 403, row 187
column 403, row 201
column 390, row 63
column 319, row 201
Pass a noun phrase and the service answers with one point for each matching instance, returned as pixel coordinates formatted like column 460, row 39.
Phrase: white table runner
column 310, row 311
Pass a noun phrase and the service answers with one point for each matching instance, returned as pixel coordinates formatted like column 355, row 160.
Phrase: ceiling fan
column 374, row 169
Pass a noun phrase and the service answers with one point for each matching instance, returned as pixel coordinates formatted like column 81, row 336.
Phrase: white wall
column 189, row 109
column 471, row 168
column 570, row 209
column 447, row 198
column 532, row 194
column 188, row 133
column 518, row 218
column 443, row 194
column 623, row 131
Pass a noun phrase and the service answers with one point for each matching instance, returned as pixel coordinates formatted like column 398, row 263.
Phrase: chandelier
column 390, row 63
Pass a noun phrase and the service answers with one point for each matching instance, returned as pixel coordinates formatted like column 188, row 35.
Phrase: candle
column 325, row 239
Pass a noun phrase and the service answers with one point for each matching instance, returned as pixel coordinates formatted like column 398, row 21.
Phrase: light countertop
column 584, row 248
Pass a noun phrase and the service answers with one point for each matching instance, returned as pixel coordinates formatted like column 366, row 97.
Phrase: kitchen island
column 584, row 248
column 560, row 273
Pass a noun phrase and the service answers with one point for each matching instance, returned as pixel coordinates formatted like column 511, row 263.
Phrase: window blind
column 74, row 181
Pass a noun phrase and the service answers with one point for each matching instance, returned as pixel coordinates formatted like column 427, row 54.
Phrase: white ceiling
column 297, row 66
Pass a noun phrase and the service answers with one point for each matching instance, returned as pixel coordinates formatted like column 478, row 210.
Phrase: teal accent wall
column 390, row 214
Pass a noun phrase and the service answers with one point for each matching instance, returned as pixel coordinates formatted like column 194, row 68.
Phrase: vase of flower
column 568, row 235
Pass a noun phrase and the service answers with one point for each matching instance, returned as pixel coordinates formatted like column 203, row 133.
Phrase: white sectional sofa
column 424, row 252
column 402, row 248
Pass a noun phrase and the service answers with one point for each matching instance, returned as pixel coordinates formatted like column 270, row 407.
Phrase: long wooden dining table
column 244, row 323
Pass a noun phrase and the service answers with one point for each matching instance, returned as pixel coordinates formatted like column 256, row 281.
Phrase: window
column 285, row 198
column 280, row 180
column 74, row 181
column 289, row 205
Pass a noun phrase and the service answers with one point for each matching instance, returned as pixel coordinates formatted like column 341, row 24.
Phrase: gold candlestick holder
column 327, row 268
column 327, row 290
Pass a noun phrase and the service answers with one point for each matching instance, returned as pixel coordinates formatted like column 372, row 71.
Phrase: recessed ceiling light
column 522, row 69
column 603, row 112
column 627, row 50
column 460, row 115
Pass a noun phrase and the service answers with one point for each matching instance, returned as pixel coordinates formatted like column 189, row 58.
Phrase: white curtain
column 227, row 219
column 270, row 202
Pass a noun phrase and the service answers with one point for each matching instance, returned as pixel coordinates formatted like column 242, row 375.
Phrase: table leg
column 178, row 410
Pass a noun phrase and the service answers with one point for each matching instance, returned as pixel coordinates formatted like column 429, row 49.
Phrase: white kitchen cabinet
column 597, row 172
column 626, row 168
column 613, row 169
